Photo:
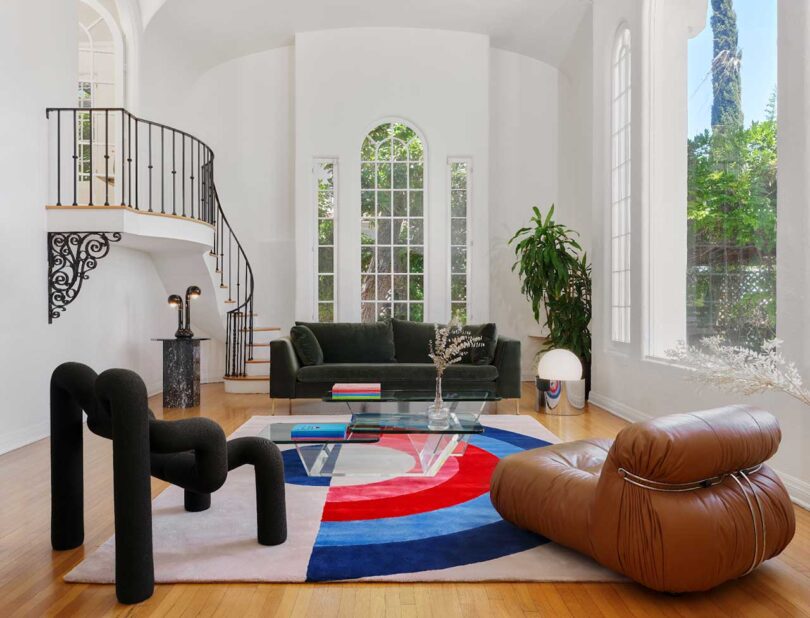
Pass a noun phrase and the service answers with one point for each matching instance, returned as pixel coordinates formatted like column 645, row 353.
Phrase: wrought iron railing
column 109, row 157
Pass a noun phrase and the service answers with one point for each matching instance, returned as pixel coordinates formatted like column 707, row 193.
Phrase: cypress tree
column 726, row 85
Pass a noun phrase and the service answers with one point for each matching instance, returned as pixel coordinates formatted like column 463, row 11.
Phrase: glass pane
column 415, row 198
column 416, row 175
column 400, row 259
column 458, row 176
column 417, row 260
column 367, row 203
column 458, row 232
column 458, row 287
column 326, row 260
column 401, row 311
column 384, row 151
column 326, row 287
column 458, row 204
column 400, row 175
column 417, row 236
column 368, row 232
column 367, row 287
column 458, row 259
column 416, row 287
column 326, row 204
column 383, row 312
column 367, row 312
column 383, row 175
column 415, row 151
column 326, row 232
column 417, row 313
column 400, row 231
column 384, row 259
column 459, row 312
column 367, row 151
column 367, row 176
column 326, row 312
column 400, row 150
column 380, row 133
column 367, row 260
column 384, row 287
column 403, row 132
column 383, row 203
column 400, row 203
column 384, row 232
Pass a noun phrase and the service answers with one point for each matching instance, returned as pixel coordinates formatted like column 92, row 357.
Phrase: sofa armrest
column 507, row 361
column 284, row 367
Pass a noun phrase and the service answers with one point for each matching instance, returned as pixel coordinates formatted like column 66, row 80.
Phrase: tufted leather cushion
column 674, row 541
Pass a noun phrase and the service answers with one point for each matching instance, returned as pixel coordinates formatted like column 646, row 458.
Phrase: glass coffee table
column 385, row 441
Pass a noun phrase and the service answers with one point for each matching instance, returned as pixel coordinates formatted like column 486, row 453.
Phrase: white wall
column 524, row 168
column 629, row 380
column 243, row 109
column 346, row 81
column 121, row 305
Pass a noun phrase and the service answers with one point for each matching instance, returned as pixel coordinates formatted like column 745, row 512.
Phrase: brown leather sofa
column 679, row 503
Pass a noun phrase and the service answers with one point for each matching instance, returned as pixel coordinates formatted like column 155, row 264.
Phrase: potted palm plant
column 556, row 279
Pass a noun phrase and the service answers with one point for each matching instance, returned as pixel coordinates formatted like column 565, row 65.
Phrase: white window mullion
column 325, row 173
column 459, row 182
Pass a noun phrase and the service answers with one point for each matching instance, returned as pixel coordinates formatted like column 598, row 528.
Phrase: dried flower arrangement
column 737, row 369
column 448, row 347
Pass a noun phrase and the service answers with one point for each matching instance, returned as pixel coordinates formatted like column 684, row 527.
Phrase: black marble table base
column 181, row 373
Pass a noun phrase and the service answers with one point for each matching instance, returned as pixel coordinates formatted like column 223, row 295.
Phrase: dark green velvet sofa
column 393, row 353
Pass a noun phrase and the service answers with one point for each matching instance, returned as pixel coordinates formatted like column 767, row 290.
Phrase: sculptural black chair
column 190, row 453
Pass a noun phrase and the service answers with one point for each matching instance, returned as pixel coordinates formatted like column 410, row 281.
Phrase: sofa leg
column 289, row 406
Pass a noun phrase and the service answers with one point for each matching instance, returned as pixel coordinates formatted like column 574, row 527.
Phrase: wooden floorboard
column 31, row 574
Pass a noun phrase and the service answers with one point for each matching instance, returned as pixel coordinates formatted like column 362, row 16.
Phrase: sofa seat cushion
column 388, row 373
column 348, row 342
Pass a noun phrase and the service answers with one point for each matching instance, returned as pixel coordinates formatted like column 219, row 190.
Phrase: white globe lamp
column 565, row 395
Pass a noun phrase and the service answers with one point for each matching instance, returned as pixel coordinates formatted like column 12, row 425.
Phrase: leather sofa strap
column 744, row 474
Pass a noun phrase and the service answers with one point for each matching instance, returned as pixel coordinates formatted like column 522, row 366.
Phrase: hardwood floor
column 31, row 574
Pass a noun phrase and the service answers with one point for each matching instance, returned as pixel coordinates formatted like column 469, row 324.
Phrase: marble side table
column 181, row 372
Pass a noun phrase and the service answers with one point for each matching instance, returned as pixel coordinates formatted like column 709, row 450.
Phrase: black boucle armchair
column 191, row 453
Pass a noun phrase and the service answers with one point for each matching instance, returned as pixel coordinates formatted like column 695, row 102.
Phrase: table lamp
column 562, row 369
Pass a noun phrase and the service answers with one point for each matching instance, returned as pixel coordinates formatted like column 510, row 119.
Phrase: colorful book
column 318, row 431
column 357, row 392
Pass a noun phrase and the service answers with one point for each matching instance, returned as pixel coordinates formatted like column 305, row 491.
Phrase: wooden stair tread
column 248, row 378
column 258, row 361
column 229, row 302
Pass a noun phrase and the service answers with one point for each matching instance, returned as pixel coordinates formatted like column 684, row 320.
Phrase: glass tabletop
column 368, row 423
column 389, row 395
column 281, row 433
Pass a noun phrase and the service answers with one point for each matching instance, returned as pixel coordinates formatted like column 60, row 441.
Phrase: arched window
column 392, row 251
column 620, row 165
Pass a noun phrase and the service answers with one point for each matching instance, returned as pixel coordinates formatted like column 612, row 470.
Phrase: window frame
column 620, row 190
column 425, row 219
column 316, row 163
column 468, row 161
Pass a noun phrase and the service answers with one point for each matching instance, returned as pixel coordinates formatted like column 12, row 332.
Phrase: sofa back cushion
column 411, row 340
column 350, row 342
column 306, row 345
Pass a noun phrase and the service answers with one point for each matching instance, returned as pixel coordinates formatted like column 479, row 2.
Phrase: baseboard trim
column 23, row 437
column 798, row 489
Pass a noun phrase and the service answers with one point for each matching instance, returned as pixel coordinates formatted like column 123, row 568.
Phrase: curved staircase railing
column 107, row 157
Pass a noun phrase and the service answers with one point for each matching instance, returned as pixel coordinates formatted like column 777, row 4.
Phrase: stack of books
column 319, row 431
column 356, row 392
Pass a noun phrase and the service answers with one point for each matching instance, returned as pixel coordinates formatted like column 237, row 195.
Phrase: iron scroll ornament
column 71, row 257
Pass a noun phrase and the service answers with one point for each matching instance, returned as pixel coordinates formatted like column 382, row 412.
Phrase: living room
column 438, row 308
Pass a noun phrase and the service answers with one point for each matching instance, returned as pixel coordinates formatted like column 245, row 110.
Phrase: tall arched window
column 100, row 78
column 620, row 165
column 392, row 229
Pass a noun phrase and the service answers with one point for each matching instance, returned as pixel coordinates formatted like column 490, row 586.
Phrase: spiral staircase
column 151, row 187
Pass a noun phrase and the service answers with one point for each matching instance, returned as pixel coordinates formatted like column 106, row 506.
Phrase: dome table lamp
column 191, row 292
column 566, row 394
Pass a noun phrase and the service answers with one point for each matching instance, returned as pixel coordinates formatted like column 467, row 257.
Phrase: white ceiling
column 218, row 30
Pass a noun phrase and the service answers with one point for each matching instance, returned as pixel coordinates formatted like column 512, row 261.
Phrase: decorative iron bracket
column 71, row 257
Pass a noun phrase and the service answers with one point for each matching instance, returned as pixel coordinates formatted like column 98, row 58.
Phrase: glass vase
column 438, row 412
